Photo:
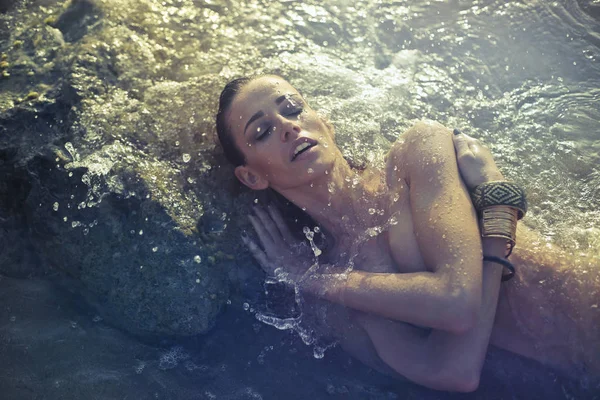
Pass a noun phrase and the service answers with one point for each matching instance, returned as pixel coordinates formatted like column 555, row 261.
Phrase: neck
column 338, row 200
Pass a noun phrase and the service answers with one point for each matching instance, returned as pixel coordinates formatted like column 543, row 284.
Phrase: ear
column 250, row 178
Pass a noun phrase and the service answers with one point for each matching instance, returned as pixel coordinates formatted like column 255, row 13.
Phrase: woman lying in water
column 419, row 259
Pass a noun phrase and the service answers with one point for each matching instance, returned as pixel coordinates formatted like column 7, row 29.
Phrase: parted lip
column 300, row 141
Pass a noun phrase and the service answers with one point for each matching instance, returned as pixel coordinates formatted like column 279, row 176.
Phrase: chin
column 318, row 170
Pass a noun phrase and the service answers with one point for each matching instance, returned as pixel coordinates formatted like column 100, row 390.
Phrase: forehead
column 259, row 93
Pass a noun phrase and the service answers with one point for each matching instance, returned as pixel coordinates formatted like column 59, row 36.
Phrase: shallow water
column 522, row 76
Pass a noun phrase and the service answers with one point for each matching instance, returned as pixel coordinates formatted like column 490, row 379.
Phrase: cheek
column 312, row 122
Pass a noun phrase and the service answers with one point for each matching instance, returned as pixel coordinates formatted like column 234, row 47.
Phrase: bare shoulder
column 424, row 145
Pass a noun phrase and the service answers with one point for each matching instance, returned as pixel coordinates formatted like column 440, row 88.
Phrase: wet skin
column 269, row 119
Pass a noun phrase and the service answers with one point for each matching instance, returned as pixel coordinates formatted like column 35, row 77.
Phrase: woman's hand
column 475, row 161
column 283, row 256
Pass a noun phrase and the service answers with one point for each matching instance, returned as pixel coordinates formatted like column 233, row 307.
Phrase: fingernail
column 456, row 132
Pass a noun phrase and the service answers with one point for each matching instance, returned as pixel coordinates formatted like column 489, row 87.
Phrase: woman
column 410, row 235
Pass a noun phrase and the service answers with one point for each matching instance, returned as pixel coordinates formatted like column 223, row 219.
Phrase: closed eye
column 294, row 112
column 264, row 134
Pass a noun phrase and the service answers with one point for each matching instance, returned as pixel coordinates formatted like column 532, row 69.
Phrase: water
column 522, row 76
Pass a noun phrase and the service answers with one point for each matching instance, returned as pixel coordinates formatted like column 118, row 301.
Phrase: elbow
column 456, row 380
column 464, row 384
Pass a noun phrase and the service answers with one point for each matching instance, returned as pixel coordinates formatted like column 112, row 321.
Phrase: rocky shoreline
column 121, row 270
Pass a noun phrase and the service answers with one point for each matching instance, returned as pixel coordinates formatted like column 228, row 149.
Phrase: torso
column 531, row 319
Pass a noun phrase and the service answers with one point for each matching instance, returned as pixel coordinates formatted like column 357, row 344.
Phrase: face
column 285, row 142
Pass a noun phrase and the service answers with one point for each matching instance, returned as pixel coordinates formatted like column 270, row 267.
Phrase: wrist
column 493, row 246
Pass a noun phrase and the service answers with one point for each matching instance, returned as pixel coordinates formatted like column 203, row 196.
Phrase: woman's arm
column 441, row 360
column 448, row 296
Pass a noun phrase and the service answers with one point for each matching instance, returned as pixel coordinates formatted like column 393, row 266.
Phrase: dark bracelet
column 504, row 262
column 499, row 193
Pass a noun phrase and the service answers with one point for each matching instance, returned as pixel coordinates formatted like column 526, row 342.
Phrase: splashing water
column 310, row 236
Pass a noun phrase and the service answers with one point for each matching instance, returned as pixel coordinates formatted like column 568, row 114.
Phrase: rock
column 112, row 174
column 75, row 21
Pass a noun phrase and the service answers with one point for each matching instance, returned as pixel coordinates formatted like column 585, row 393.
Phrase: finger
column 281, row 225
column 469, row 139
column 477, row 146
column 257, row 253
column 268, row 223
column 461, row 144
column 263, row 235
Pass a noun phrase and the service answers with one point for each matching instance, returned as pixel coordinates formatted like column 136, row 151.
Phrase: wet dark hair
column 232, row 152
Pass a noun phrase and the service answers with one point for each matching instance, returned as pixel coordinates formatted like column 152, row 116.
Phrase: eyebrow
column 256, row 116
column 261, row 114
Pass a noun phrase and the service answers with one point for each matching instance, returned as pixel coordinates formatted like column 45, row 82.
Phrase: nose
column 289, row 130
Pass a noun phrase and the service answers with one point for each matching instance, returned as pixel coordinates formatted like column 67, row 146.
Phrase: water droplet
column 197, row 259
column 374, row 231
column 197, row 280
column 310, row 170
column 318, row 352
column 154, row 249
column 177, row 143
column 246, row 306
column 141, row 232
column 371, row 211
column 55, row 206
column 186, row 157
